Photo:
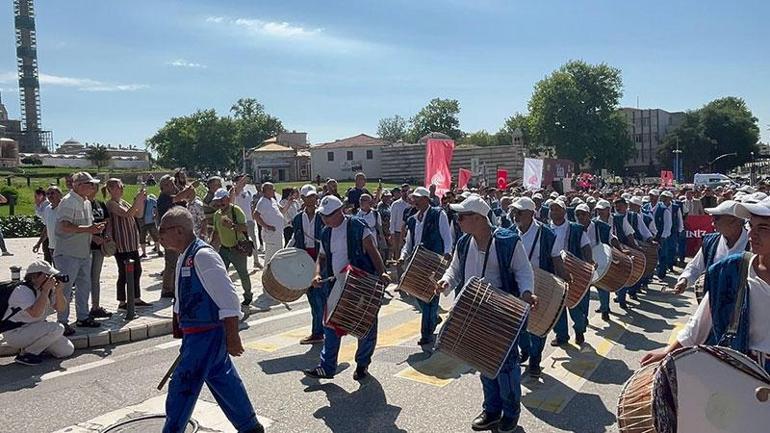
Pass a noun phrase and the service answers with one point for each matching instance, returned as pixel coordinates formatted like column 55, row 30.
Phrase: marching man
column 497, row 256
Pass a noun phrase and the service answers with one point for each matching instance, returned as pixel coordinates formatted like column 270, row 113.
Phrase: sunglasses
column 462, row 216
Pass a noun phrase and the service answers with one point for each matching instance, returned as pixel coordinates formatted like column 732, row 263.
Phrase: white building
column 342, row 159
column 647, row 128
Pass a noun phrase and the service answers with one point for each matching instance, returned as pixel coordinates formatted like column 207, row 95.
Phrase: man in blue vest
column 739, row 283
column 730, row 238
column 539, row 243
column 677, row 226
column 307, row 226
column 345, row 241
column 624, row 225
column 429, row 227
column 663, row 218
column 497, row 256
column 207, row 312
column 572, row 238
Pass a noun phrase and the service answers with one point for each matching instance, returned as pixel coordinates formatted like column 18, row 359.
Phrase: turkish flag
column 438, row 157
column 502, row 178
column 463, row 178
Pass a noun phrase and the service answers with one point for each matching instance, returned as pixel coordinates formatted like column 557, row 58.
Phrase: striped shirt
column 125, row 232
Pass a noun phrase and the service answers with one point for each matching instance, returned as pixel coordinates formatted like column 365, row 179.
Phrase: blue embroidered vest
column 617, row 221
column 431, row 233
column 659, row 221
column 196, row 308
column 547, row 239
column 574, row 235
column 544, row 213
column 571, row 214
column 299, row 231
column 676, row 210
column 356, row 254
column 709, row 247
column 505, row 243
column 722, row 283
column 602, row 231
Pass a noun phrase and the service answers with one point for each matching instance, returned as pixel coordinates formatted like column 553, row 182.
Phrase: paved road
column 409, row 391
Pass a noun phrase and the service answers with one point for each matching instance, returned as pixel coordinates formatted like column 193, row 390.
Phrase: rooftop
column 360, row 140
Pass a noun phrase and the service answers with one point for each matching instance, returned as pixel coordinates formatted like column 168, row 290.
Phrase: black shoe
column 88, row 323
column 508, row 425
column 143, row 256
column 68, row 330
column 606, row 316
column 140, row 303
column 122, row 306
column 440, row 319
column 160, row 253
column 167, row 294
column 580, row 339
column 624, row 306
column 312, row 339
column 616, row 300
column 485, row 421
column 100, row 313
column 318, row 373
column 425, row 340
column 361, row 373
column 634, row 297
column 257, row 429
column 555, row 342
column 524, row 357
column 246, row 303
column 28, row 359
column 534, row 371
column 598, row 310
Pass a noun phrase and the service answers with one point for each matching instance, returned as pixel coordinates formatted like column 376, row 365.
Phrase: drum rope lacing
column 368, row 297
column 474, row 308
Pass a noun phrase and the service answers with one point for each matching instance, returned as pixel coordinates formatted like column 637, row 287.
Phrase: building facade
column 647, row 129
column 276, row 163
column 342, row 159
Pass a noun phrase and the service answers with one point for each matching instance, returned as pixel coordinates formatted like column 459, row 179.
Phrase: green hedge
column 21, row 226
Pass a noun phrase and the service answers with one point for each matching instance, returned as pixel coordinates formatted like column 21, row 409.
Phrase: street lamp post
column 677, row 166
column 711, row 164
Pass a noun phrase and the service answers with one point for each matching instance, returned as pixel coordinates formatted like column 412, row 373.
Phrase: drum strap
column 735, row 320
column 486, row 255
column 537, row 237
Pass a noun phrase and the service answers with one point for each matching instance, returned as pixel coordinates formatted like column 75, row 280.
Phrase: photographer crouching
column 23, row 309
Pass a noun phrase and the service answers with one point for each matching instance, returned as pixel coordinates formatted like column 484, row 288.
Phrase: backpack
column 6, row 288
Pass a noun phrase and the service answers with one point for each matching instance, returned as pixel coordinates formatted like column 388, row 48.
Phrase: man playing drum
column 663, row 217
column 307, row 226
column 539, row 244
column 572, row 238
column 497, row 256
column 345, row 241
column 640, row 222
column 429, row 227
column 731, row 237
column 624, row 231
column 715, row 322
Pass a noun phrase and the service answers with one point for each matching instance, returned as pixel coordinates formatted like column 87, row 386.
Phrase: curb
column 126, row 334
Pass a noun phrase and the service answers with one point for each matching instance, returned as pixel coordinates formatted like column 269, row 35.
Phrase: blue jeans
column 331, row 349
column 673, row 244
column 79, row 271
column 604, row 300
column 204, row 358
column 682, row 247
column 429, row 321
column 317, row 300
column 502, row 395
column 579, row 316
column 532, row 346
column 663, row 259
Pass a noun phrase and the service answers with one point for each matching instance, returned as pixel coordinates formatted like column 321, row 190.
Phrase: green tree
column 478, row 138
column 521, row 122
column 200, row 141
column 574, row 111
column 722, row 126
column 392, row 129
column 440, row 115
column 98, row 155
column 253, row 124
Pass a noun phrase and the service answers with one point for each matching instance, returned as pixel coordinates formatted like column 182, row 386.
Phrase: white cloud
column 182, row 63
column 277, row 29
column 84, row 84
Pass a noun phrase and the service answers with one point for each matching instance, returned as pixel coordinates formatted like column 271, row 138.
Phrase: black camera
column 62, row 278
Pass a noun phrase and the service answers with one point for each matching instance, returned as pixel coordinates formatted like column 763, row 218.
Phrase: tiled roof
column 360, row 140
column 272, row 147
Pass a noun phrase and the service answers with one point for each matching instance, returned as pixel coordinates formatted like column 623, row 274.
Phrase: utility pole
column 677, row 162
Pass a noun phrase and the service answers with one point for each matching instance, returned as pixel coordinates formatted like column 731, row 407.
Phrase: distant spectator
column 354, row 193
column 270, row 216
column 3, row 200
column 244, row 199
column 290, row 202
column 101, row 215
column 40, row 202
column 47, row 236
column 24, row 324
column 169, row 197
column 195, row 206
column 229, row 228
column 331, row 188
column 213, row 184
column 148, row 226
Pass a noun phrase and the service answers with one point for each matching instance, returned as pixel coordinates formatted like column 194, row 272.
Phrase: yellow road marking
column 390, row 337
column 438, row 370
column 675, row 332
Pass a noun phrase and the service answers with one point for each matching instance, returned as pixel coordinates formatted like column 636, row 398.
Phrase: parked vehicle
column 712, row 180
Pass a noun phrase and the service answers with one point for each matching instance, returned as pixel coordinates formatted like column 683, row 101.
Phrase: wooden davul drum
column 482, row 327
column 354, row 302
column 702, row 389
column 551, row 291
column 651, row 254
column 288, row 275
column 581, row 273
column 638, row 265
column 612, row 267
column 422, row 273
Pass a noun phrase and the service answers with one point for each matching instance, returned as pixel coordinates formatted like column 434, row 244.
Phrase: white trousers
column 273, row 242
column 41, row 336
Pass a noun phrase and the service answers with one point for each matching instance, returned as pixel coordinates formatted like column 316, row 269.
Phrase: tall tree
column 574, row 111
column 722, row 126
column 521, row 122
column 440, row 115
column 479, row 138
column 98, row 154
column 254, row 125
column 392, row 129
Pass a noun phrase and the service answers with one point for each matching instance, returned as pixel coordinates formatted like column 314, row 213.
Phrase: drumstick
column 168, row 373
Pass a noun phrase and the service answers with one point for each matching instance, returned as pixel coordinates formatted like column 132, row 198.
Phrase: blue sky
column 115, row 70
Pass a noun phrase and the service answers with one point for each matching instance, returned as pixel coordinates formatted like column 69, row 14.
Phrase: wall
column 341, row 168
column 407, row 161
column 271, row 162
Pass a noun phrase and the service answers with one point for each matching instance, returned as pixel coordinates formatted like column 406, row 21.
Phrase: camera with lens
column 62, row 278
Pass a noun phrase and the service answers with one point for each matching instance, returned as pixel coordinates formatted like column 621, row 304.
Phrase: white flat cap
column 603, row 204
column 582, row 207
column 727, row 207
column 472, row 204
column 524, row 203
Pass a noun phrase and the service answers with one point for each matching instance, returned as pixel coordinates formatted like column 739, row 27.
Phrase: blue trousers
column 317, row 300
column 429, row 321
column 663, row 259
column 579, row 316
column 604, row 300
column 204, row 358
column 532, row 346
column 682, row 246
column 502, row 395
column 673, row 246
column 331, row 349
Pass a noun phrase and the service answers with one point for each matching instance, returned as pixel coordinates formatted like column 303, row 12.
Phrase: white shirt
column 24, row 297
column 397, row 215
column 627, row 229
column 562, row 235
column 697, row 265
column 268, row 210
column 699, row 326
column 308, row 227
column 528, row 239
column 641, row 226
column 243, row 201
column 665, row 231
column 444, row 229
column 474, row 264
column 213, row 275
column 372, row 220
column 592, row 234
column 678, row 216
column 339, row 246
column 49, row 219
column 291, row 211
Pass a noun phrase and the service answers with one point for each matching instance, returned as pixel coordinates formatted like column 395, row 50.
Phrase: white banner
column 533, row 173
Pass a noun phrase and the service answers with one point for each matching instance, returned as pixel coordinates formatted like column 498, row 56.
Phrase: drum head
column 602, row 254
column 292, row 268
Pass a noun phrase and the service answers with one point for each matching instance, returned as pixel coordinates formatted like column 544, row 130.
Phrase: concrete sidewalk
column 150, row 321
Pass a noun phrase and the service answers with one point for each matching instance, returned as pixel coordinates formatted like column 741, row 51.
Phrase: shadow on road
column 299, row 362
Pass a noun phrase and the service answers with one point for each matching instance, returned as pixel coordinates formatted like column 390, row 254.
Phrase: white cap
column 576, row 201
column 559, row 203
column 646, row 199
column 668, row 194
column 727, row 207
column 591, row 200
column 221, row 193
column 583, row 207
column 746, row 210
column 548, row 202
column 472, row 204
column 654, row 192
column 420, row 191
column 562, row 198
column 759, row 195
column 603, row 204
column 329, row 204
column 524, row 203
column 553, row 194
column 41, row 266
column 307, row 190
column 635, row 200
column 537, row 195
column 626, row 195
column 746, row 188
